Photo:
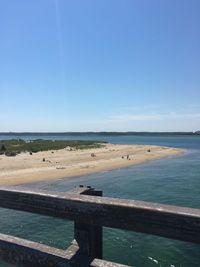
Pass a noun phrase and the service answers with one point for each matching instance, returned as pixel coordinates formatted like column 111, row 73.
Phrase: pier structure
column 90, row 212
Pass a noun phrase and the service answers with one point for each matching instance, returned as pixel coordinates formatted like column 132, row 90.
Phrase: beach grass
column 16, row 146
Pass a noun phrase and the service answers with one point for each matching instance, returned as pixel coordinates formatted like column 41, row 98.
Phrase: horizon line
column 95, row 132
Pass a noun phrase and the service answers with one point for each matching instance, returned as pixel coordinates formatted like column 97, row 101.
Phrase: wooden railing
column 90, row 212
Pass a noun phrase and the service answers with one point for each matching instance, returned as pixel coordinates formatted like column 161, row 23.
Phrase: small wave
column 152, row 259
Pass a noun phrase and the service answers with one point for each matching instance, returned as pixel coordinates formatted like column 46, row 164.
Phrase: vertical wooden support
column 87, row 236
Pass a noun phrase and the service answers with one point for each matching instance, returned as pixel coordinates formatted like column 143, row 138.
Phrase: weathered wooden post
column 87, row 242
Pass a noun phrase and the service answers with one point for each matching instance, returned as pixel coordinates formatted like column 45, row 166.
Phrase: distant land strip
column 100, row 133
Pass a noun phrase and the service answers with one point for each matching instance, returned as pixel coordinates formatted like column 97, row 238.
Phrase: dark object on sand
column 43, row 160
column 31, row 153
column 93, row 155
column 149, row 150
column 10, row 154
column 127, row 157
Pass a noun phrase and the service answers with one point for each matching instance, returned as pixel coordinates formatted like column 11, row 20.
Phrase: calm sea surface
column 175, row 180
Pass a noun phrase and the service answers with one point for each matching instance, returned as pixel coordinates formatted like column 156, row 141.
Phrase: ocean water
column 174, row 180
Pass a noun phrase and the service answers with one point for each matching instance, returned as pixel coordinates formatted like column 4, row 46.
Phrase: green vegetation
column 3, row 148
column 13, row 147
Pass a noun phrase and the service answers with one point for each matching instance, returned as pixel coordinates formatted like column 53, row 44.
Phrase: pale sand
column 26, row 168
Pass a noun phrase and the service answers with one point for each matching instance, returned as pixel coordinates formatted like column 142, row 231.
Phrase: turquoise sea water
column 175, row 180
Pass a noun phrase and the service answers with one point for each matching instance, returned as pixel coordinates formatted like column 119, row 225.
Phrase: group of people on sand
column 127, row 157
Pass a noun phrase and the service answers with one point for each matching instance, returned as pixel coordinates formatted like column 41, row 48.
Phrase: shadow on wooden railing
column 90, row 212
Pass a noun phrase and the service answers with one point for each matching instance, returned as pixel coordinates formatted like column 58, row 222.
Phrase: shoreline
column 61, row 164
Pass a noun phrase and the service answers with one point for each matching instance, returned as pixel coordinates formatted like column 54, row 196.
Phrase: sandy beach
column 25, row 168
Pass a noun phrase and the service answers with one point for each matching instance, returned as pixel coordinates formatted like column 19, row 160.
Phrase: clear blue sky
column 99, row 65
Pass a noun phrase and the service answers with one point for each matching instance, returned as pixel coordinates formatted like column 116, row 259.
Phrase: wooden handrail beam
column 23, row 253
column 158, row 219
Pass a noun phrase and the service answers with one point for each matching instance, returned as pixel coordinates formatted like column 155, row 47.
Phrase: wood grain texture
column 158, row 219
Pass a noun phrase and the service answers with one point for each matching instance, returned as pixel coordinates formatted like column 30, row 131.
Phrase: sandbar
column 25, row 168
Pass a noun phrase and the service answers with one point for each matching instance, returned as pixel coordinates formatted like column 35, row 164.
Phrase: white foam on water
column 152, row 259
